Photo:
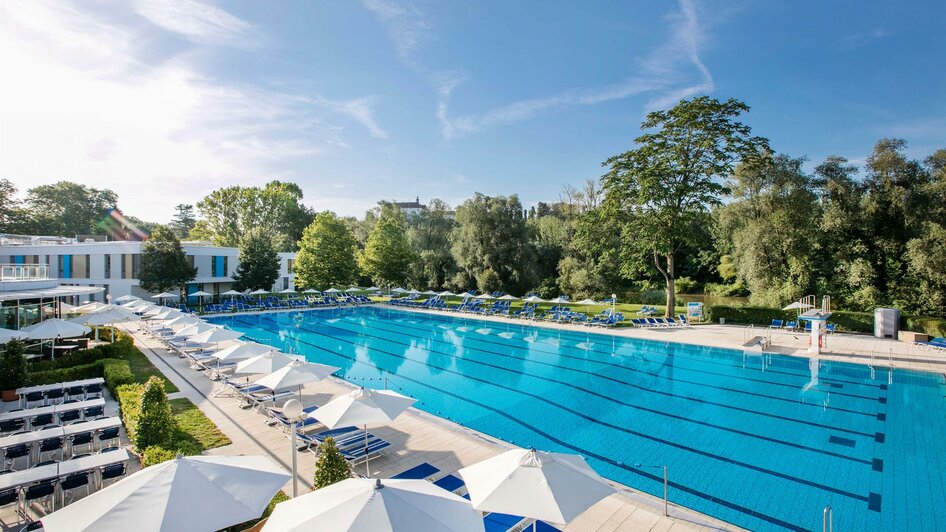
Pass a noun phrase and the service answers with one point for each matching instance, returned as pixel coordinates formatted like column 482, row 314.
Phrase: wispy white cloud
column 855, row 40
column 198, row 21
column 662, row 72
column 405, row 24
column 87, row 105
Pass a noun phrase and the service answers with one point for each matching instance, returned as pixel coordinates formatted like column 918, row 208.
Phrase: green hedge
column 129, row 406
column 116, row 373
column 931, row 326
column 845, row 320
column 74, row 373
column 193, row 431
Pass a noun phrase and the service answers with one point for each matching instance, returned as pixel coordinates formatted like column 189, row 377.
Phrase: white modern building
column 114, row 265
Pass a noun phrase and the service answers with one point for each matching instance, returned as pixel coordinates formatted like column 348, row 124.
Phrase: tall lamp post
column 614, row 303
column 293, row 411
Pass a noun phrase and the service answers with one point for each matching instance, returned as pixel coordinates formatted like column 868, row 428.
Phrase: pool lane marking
column 567, row 383
column 483, row 339
column 620, row 465
column 576, row 335
column 596, row 421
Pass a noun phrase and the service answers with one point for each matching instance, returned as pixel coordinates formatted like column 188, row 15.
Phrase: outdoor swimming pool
column 765, row 449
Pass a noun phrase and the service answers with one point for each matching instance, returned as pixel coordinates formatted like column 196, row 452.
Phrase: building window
column 108, row 267
column 65, row 266
column 226, row 266
column 131, row 264
column 285, row 283
column 190, row 261
column 289, row 266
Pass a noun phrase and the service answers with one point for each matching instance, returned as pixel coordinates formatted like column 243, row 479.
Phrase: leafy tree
column 13, row 370
column 764, row 232
column 9, row 206
column 68, row 209
column 550, row 237
column 387, row 254
column 155, row 420
column 926, row 261
column 326, row 255
column 491, row 232
column 663, row 188
column 259, row 262
column 277, row 207
column 331, row 467
column 163, row 263
column 429, row 233
column 183, row 220
column 488, row 281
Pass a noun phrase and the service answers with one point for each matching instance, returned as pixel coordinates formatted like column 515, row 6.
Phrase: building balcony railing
column 24, row 272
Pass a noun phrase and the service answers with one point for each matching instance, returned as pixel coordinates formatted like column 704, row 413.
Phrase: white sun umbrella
column 310, row 291
column 429, row 293
column 89, row 308
column 354, row 289
column 798, row 305
column 6, row 335
column 126, row 298
column 372, row 289
column 363, row 407
column 231, row 293
column 558, row 300
column 296, row 373
column 242, row 351
column 484, row 296
column 587, row 302
column 399, row 290
column 288, row 291
column 182, row 321
column 197, row 328
column 265, row 363
column 534, row 299
column 546, row 486
column 165, row 295
column 446, row 293
column 414, row 292
column 187, row 493
column 259, row 292
column 200, row 293
column 109, row 316
column 55, row 328
column 332, row 291
column 363, row 505
column 166, row 314
column 215, row 336
column 508, row 297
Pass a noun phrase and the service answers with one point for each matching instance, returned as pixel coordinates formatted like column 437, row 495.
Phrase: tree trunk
column 671, row 291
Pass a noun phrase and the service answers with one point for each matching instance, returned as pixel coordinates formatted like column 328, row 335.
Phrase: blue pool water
column 765, row 448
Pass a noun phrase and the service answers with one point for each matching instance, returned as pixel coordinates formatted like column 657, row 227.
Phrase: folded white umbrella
column 89, row 308
column 265, row 363
column 215, row 336
column 55, row 328
column 296, row 373
column 192, row 493
column 366, row 505
column 546, row 486
column 126, row 298
column 242, row 351
column 6, row 335
column 197, row 328
column 363, row 407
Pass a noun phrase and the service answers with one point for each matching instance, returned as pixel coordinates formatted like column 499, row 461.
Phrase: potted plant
column 12, row 369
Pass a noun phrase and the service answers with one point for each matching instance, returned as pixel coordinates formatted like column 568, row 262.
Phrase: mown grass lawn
column 194, row 427
column 142, row 369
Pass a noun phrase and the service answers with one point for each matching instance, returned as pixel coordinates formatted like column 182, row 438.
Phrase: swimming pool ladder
column 827, row 519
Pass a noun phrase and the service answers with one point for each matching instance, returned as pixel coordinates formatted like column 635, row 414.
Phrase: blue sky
column 164, row 101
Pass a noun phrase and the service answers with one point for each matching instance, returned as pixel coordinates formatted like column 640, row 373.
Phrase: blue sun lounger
column 450, row 483
column 418, row 472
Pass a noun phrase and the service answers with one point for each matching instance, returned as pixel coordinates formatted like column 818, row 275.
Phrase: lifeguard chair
column 817, row 318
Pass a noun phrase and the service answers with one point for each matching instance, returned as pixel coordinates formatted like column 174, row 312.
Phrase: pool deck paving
column 416, row 437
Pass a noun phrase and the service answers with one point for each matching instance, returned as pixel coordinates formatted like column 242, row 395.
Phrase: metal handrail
column 23, row 272
column 827, row 522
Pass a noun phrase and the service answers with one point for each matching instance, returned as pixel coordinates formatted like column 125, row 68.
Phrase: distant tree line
column 697, row 204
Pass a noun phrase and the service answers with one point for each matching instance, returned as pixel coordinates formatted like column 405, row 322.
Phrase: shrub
column 331, row 467
column 85, row 371
column 155, row 422
column 155, row 455
column 13, row 373
column 129, row 406
column 488, row 281
column 931, row 326
column 243, row 527
column 116, row 373
column 845, row 320
column 685, row 285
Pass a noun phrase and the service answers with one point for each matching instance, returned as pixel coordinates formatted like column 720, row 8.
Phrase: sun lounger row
column 793, row 325
column 679, row 321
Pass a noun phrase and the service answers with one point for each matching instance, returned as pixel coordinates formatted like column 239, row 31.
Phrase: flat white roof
column 57, row 291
